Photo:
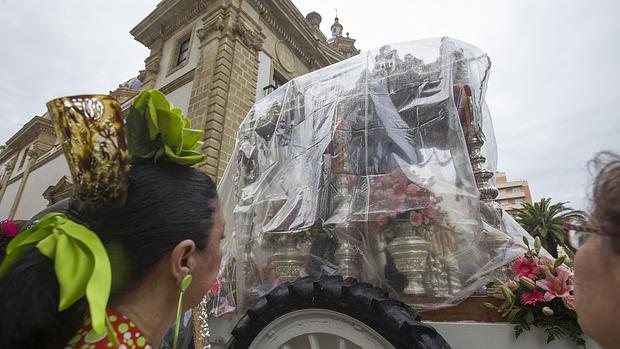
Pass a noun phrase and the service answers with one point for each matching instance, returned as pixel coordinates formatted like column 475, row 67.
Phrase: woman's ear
column 182, row 259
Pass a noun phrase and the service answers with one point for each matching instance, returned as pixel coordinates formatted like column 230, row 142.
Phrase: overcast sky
column 553, row 93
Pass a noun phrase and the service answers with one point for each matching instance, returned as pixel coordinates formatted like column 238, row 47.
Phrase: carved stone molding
column 222, row 22
column 152, row 64
column 34, row 154
column 212, row 25
column 61, row 190
column 11, row 165
column 151, row 68
column 249, row 37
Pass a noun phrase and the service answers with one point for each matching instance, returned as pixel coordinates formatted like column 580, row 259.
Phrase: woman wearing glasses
column 597, row 264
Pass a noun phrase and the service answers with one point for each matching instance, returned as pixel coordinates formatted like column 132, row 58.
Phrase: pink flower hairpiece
column 8, row 228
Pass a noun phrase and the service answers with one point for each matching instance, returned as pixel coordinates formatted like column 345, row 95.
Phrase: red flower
column 524, row 267
column 532, row 298
column 382, row 220
column 215, row 288
column 412, row 189
column 401, row 182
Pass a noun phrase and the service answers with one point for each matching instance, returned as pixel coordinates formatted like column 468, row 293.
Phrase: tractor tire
column 395, row 321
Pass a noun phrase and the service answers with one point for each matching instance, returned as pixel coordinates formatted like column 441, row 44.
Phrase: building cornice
column 299, row 37
column 178, row 82
column 26, row 135
column 59, row 191
column 168, row 16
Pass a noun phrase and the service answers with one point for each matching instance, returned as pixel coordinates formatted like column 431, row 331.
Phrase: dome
column 132, row 83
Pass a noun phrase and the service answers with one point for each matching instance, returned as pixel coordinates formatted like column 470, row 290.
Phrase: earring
column 187, row 280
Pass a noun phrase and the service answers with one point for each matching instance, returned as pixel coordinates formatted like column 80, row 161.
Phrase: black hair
column 166, row 204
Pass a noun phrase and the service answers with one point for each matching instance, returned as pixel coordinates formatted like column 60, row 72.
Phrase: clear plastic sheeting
column 377, row 168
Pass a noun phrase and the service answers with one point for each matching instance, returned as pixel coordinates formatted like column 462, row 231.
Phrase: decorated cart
column 356, row 194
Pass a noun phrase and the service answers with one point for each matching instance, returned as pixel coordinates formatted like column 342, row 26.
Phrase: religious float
column 358, row 196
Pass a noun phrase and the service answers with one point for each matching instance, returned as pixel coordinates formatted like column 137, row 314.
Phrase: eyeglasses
column 579, row 234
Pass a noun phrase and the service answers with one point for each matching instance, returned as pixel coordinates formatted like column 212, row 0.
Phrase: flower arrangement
column 395, row 197
column 541, row 295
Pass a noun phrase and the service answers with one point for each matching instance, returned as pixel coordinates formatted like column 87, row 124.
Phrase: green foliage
column 489, row 305
column 563, row 324
column 554, row 332
column 545, row 220
column 518, row 330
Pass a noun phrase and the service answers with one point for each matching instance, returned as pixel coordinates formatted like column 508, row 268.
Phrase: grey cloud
column 553, row 92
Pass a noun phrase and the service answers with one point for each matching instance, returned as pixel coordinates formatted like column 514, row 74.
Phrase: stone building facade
column 235, row 51
column 213, row 59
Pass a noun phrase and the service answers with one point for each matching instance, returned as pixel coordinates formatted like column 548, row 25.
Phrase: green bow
column 80, row 261
column 155, row 128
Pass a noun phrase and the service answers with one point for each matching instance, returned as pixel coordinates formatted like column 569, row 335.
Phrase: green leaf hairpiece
column 80, row 260
column 155, row 129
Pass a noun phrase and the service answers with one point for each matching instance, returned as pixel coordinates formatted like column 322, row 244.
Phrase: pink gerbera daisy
column 524, row 267
column 532, row 298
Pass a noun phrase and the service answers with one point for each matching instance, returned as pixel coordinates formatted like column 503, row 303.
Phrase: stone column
column 225, row 82
column 152, row 63
column 7, row 176
column 32, row 158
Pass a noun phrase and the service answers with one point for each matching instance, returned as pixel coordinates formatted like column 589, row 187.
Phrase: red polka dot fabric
column 128, row 335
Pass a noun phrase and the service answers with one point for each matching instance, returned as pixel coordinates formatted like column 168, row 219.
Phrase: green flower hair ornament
column 80, row 261
column 155, row 128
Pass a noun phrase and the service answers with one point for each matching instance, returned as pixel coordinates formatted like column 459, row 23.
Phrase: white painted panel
column 264, row 74
column 180, row 97
column 23, row 156
column 39, row 180
column 169, row 54
column 7, row 200
column 479, row 335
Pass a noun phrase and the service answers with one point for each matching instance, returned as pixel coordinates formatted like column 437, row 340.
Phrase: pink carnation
column 524, row 267
column 532, row 298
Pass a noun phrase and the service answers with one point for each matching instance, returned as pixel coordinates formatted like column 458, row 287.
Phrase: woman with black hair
column 132, row 250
